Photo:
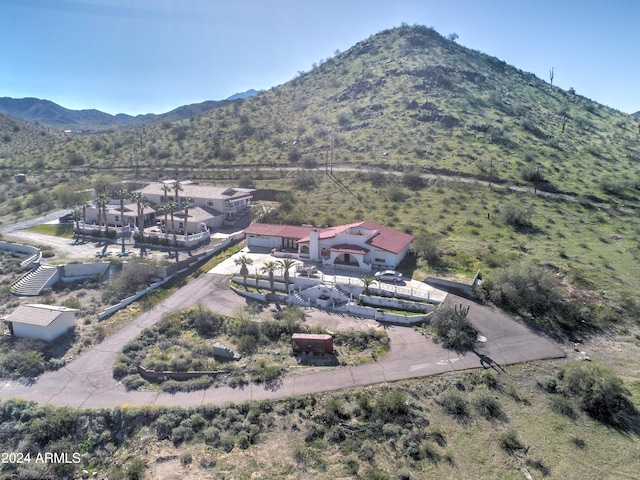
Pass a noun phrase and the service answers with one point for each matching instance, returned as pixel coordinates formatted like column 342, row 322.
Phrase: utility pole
column 331, row 162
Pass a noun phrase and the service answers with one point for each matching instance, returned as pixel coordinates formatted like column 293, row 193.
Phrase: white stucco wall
column 59, row 326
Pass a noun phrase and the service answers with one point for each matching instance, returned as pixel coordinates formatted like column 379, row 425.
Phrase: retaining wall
column 18, row 248
column 153, row 375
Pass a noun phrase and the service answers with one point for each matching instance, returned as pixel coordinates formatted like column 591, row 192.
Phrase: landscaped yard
column 183, row 342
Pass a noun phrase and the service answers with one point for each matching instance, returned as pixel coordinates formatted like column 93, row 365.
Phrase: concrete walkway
column 87, row 381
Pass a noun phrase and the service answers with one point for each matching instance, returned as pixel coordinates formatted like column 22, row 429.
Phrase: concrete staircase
column 35, row 281
column 32, row 261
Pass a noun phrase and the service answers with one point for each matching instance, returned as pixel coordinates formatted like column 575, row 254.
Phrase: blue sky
column 150, row 56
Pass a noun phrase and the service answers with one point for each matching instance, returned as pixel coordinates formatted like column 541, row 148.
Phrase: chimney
column 314, row 245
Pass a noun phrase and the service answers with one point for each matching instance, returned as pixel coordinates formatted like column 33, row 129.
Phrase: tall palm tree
column 172, row 207
column 141, row 202
column 82, row 205
column 270, row 267
column 187, row 204
column 102, row 200
column 162, row 208
column 166, row 189
column 76, row 215
column 286, row 264
column 178, row 188
column 244, row 261
column 121, row 194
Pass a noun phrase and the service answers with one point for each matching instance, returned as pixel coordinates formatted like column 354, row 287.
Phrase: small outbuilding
column 44, row 322
column 312, row 343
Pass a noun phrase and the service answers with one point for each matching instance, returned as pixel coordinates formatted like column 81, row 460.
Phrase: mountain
column 18, row 135
column 48, row 113
column 248, row 94
column 405, row 98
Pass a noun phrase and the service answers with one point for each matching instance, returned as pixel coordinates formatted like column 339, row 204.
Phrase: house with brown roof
column 362, row 245
column 44, row 322
column 213, row 208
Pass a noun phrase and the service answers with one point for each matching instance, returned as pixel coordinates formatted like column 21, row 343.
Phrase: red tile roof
column 385, row 239
column 271, row 230
column 388, row 239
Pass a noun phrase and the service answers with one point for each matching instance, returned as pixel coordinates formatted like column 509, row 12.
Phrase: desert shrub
column 72, row 302
column 247, row 344
column 136, row 469
column 166, row 422
column 562, row 405
column 390, row 406
column 205, row 322
column 453, row 329
column 453, row 404
column 335, row 434
column 135, row 277
column 510, row 442
column 516, row 217
column 489, row 408
column 531, row 290
column 600, row 391
column 427, row 247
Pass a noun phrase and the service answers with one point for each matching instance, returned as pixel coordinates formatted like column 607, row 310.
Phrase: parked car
column 388, row 276
column 303, row 269
column 66, row 218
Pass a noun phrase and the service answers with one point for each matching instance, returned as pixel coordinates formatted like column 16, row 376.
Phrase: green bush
column 510, row 442
column 601, row 393
column 453, row 403
column 524, row 288
column 453, row 329
column 489, row 408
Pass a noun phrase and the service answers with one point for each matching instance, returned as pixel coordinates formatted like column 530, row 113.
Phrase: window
column 210, row 203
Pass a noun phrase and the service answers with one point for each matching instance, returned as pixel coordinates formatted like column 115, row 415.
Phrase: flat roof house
column 44, row 322
column 362, row 245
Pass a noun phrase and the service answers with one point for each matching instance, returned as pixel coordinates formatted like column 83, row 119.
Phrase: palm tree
column 178, row 188
column 141, row 202
column 286, row 264
column 82, row 205
column 243, row 261
column 162, row 208
column 270, row 267
column 121, row 194
column 367, row 282
column 172, row 207
column 102, row 200
column 166, row 189
column 76, row 215
column 187, row 204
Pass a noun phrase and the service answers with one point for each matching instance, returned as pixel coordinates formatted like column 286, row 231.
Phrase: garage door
column 266, row 242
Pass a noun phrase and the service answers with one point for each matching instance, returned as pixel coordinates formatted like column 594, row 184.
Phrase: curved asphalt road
column 87, row 381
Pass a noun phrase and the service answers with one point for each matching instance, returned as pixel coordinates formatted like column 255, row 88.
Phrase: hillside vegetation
column 404, row 98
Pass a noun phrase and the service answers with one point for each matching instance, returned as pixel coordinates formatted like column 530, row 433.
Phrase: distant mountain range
column 50, row 114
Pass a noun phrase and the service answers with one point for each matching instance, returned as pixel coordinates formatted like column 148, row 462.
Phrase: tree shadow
column 487, row 362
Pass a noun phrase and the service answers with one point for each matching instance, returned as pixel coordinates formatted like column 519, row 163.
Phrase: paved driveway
column 87, row 381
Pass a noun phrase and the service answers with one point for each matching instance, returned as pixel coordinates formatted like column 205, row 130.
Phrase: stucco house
column 213, row 208
column 362, row 245
column 44, row 322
